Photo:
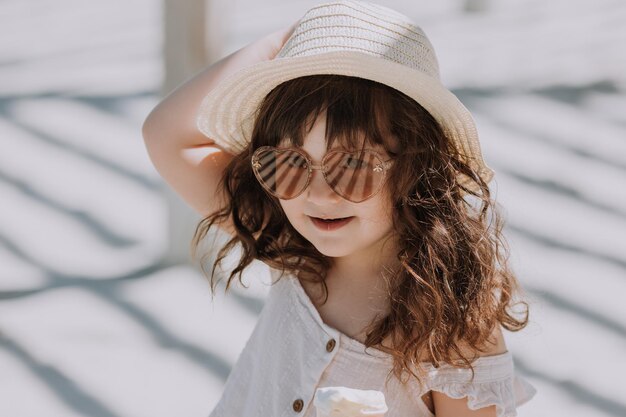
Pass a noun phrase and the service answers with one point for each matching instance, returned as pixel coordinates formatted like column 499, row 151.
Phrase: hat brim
column 226, row 114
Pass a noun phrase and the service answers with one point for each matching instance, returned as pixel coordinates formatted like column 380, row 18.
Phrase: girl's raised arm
column 188, row 161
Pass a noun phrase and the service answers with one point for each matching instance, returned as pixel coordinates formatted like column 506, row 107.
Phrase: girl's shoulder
column 495, row 346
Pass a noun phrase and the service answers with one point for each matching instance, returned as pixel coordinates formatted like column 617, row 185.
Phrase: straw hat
column 345, row 37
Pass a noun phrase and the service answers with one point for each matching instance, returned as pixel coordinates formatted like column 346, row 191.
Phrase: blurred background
column 101, row 312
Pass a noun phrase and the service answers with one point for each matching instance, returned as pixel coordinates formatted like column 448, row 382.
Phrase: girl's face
column 360, row 239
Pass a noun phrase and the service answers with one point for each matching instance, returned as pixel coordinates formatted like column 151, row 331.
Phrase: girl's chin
column 334, row 248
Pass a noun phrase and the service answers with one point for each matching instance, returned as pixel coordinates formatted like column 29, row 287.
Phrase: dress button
column 297, row 405
column 330, row 345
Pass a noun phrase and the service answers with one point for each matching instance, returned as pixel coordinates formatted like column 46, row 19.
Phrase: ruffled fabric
column 494, row 383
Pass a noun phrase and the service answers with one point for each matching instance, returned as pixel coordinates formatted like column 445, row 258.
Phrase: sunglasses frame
column 384, row 167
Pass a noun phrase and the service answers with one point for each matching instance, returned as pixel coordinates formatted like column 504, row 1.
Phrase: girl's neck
column 359, row 279
column 363, row 270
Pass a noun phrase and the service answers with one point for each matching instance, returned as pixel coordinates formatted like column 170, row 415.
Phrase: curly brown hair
column 453, row 286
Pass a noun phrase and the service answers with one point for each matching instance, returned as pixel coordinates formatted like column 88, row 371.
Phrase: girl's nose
column 318, row 190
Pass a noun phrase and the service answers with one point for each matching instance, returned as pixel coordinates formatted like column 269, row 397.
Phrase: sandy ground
column 93, row 323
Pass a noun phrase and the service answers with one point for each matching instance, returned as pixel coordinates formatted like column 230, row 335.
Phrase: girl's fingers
column 280, row 38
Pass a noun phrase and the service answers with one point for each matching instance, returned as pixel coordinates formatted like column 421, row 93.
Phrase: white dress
column 292, row 352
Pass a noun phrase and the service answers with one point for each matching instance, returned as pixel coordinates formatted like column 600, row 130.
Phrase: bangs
column 357, row 113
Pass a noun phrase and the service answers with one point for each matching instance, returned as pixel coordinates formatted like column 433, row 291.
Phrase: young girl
column 331, row 152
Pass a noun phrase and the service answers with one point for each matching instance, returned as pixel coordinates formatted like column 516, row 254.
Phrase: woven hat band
column 362, row 27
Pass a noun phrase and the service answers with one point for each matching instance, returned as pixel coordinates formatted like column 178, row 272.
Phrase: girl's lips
column 328, row 226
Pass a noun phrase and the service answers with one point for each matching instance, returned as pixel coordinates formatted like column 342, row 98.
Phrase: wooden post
column 192, row 39
column 476, row 5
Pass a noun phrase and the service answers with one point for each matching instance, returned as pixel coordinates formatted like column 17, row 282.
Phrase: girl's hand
column 268, row 46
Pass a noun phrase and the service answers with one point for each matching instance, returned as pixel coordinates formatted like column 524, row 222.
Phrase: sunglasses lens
column 283, row 173
column 355, row 177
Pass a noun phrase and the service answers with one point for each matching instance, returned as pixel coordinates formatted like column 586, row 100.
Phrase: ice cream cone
column 349, row 402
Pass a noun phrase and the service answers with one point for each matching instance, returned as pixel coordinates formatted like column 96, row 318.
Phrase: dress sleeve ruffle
column 495, row 383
